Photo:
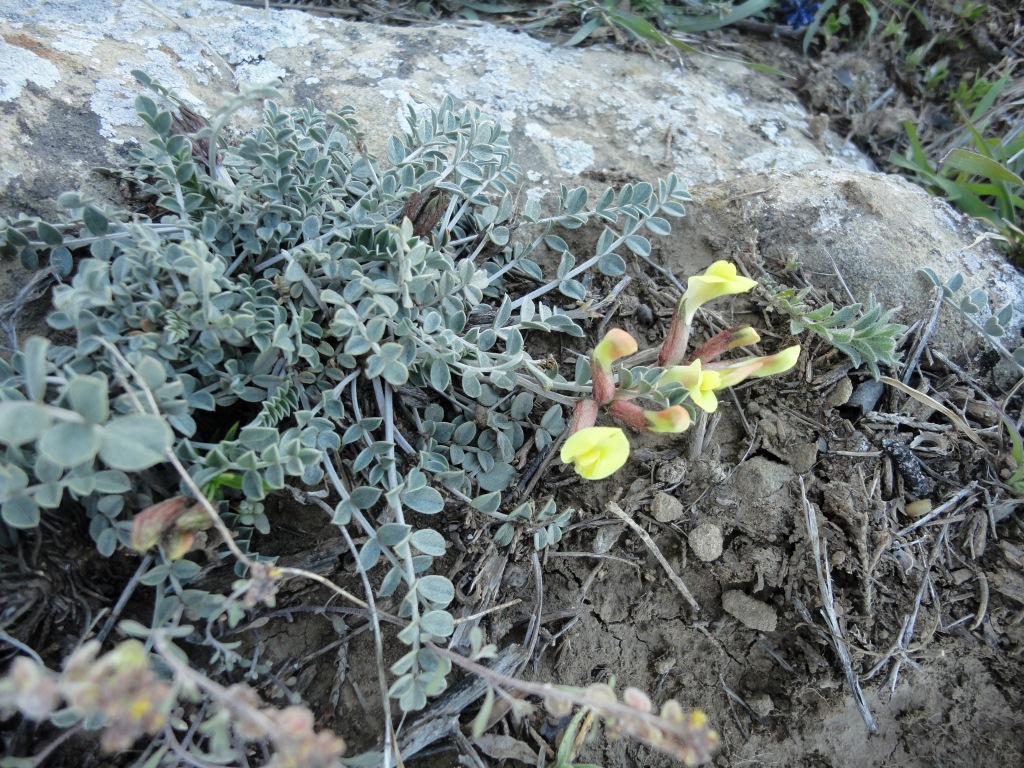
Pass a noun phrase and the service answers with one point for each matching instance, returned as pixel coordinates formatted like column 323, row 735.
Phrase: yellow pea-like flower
column 720, row 279
column 615, row 344
column 700, row 385
column 596, row 452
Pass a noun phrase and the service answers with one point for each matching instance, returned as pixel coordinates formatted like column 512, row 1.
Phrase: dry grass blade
column 829, row 611
column 931, row 402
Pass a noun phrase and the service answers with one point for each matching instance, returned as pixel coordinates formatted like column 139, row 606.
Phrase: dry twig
column 616, row 510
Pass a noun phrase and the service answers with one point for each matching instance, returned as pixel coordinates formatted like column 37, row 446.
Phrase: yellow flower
column 615, row 344
column 780, row 362
column 720, row 279
column 671, row 420
column 596, row 452
column 701, row 385
column 758, row 367
column 743, row 336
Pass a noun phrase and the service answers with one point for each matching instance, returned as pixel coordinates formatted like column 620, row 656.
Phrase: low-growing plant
column 294, row 315
column 867, row 336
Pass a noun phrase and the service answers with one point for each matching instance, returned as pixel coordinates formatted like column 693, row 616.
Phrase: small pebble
column 706, row 542
column 840, row 394
column 666, row 508
column 750, row 612
column 761, row 703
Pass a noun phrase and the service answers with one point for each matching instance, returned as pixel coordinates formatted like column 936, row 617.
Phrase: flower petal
column 596, row 452
column 780, row 362
column 720, row 279
column 615, row 344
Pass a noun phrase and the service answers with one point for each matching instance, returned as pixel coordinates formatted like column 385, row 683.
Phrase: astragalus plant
column 288, row 314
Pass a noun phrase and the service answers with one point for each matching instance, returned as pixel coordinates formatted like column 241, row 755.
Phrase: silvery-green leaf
column 395, row 151
column 95, row 220
column 639, row 245
column 23, row 421
column 503, row 313
column 437, row 623
column 69, row 443
column 440, row 375
column 658, row 226
column 565, row 264
column 521, row 406
column 436, row 589
column 503, row 536
column 106, row 542
column 672, row 208
column 499, row 478
column 87, row 395
column 555, row 243
column 929, row 273
column 612, row 264
column 488, row 503
column 426, row 501
column 34, row 357
column 993, row 328
column 573, row 289
column 471, row 384
column 370, row 554
column 575, row 200
column 428, row 541
column 61, row 261
column 135, row 442
column 499, row 236
column 20, row 512
column 390, row 535
column 364, row 497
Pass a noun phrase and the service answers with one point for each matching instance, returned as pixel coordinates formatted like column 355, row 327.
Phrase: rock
column 750, row 612
column 569, row 111
column 706, row 542
column 591, row 116
column 666, row 508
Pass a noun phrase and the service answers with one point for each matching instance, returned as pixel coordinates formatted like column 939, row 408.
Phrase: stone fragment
column 840, row 394
column 761, row 703
column 666, row 508
column 671, row 472
column 750, row 612
column 803, row 458
column 706, row 542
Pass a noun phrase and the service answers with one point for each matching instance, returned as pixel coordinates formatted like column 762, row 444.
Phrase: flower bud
column 615, row 344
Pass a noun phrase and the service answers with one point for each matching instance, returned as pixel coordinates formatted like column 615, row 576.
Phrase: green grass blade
column 979, row 165
column 716, row 21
